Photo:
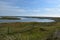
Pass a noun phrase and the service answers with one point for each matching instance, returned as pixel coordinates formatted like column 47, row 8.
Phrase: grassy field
column 27, row 30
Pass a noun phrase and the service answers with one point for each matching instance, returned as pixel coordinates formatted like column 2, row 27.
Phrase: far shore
column 9, row 18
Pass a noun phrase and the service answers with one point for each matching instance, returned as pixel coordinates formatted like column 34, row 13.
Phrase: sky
column 49, row 8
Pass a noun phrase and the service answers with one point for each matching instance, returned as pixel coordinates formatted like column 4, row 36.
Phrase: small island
column 9, row 18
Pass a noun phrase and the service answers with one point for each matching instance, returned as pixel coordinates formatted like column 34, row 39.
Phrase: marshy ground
column 29, row 31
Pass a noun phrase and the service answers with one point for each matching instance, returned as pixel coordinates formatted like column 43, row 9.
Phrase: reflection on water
column 28, row 20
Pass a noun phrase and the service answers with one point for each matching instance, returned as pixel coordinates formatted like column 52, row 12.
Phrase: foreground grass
column 27, row 30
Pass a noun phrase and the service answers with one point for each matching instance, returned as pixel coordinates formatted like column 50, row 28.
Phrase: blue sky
column 30, row 8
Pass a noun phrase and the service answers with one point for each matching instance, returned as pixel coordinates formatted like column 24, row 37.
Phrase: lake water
column 27, row 20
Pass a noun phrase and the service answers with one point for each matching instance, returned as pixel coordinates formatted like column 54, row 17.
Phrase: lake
column 24, row 19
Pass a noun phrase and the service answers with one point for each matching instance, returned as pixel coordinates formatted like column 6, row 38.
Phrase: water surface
column 23, row 19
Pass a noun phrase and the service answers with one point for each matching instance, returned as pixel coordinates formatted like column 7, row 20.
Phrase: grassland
column 27, row 30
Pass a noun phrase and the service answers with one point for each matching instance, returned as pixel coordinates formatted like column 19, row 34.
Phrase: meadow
column 28, row 30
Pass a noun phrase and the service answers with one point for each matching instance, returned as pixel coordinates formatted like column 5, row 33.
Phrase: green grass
column 27, row 30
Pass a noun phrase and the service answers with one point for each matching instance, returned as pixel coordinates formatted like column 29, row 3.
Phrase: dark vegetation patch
column 9, row 18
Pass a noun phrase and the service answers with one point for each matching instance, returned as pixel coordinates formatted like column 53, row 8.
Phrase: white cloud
column 52, row 12
column 7, row 9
